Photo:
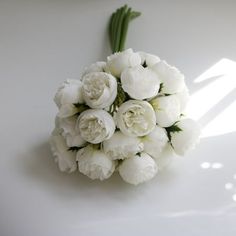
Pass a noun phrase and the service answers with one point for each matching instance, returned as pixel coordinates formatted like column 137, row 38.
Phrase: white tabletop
column 44, row 42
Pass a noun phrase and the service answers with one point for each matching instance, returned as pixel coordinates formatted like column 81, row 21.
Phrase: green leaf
column 134, row 14
column 74, row 149
column 172, row 129
column 97, row 146
column 121, row 96
column 161, row 87
column 144, row 64
column 81, row 107
column 119, row 162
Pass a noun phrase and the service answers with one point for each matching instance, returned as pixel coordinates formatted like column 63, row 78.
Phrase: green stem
column 125, row 30
column 114, row 30
column 118, row 27
column 116, row 39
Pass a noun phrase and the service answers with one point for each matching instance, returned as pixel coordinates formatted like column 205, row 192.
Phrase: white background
column 44, row 42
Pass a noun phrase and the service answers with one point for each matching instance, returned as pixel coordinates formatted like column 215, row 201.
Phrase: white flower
column 99, row 89
column 67, row 110
column 167, row 109
column 95, row 163
column 186, row 139
column 136, row 118
column 95, row 67
column 140, row 83
column 68, row 93
column 119, row 61
column 155, row 142
column 165, row 157
column 66, row 159
column 95, row 125
column 171, row 77
column 57, row 130
column 72, row 136
column 183, row 97
column 138, row 169
column 148, row 59
column 120, row 146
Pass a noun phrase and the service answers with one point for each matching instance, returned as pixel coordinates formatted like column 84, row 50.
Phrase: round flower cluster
column 125, row 114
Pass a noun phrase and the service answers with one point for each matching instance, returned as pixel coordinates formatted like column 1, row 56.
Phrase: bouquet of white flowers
column 124, row 114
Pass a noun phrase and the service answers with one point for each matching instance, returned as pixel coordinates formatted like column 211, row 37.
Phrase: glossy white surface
column 44, row 42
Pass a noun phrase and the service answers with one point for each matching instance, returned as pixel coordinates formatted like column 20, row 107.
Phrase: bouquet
column 124, row 114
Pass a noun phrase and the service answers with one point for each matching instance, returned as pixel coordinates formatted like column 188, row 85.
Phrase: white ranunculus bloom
column 136, row 118
column 99, row 89
column 140, row 83
column 155, row 141
column 72, row 136
column 95, row 125
column 69, row 93
column 186, row 139
column 183, row 97
column 95, row 163
column 99, row 66
column 119, row 61
column 120, row 146
column 66, row 159
column 67, row 110
column 167, row 109
column 171, row 77
column 57, row 130
column 149, row 59
column 165, row 157
column 138, row 169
